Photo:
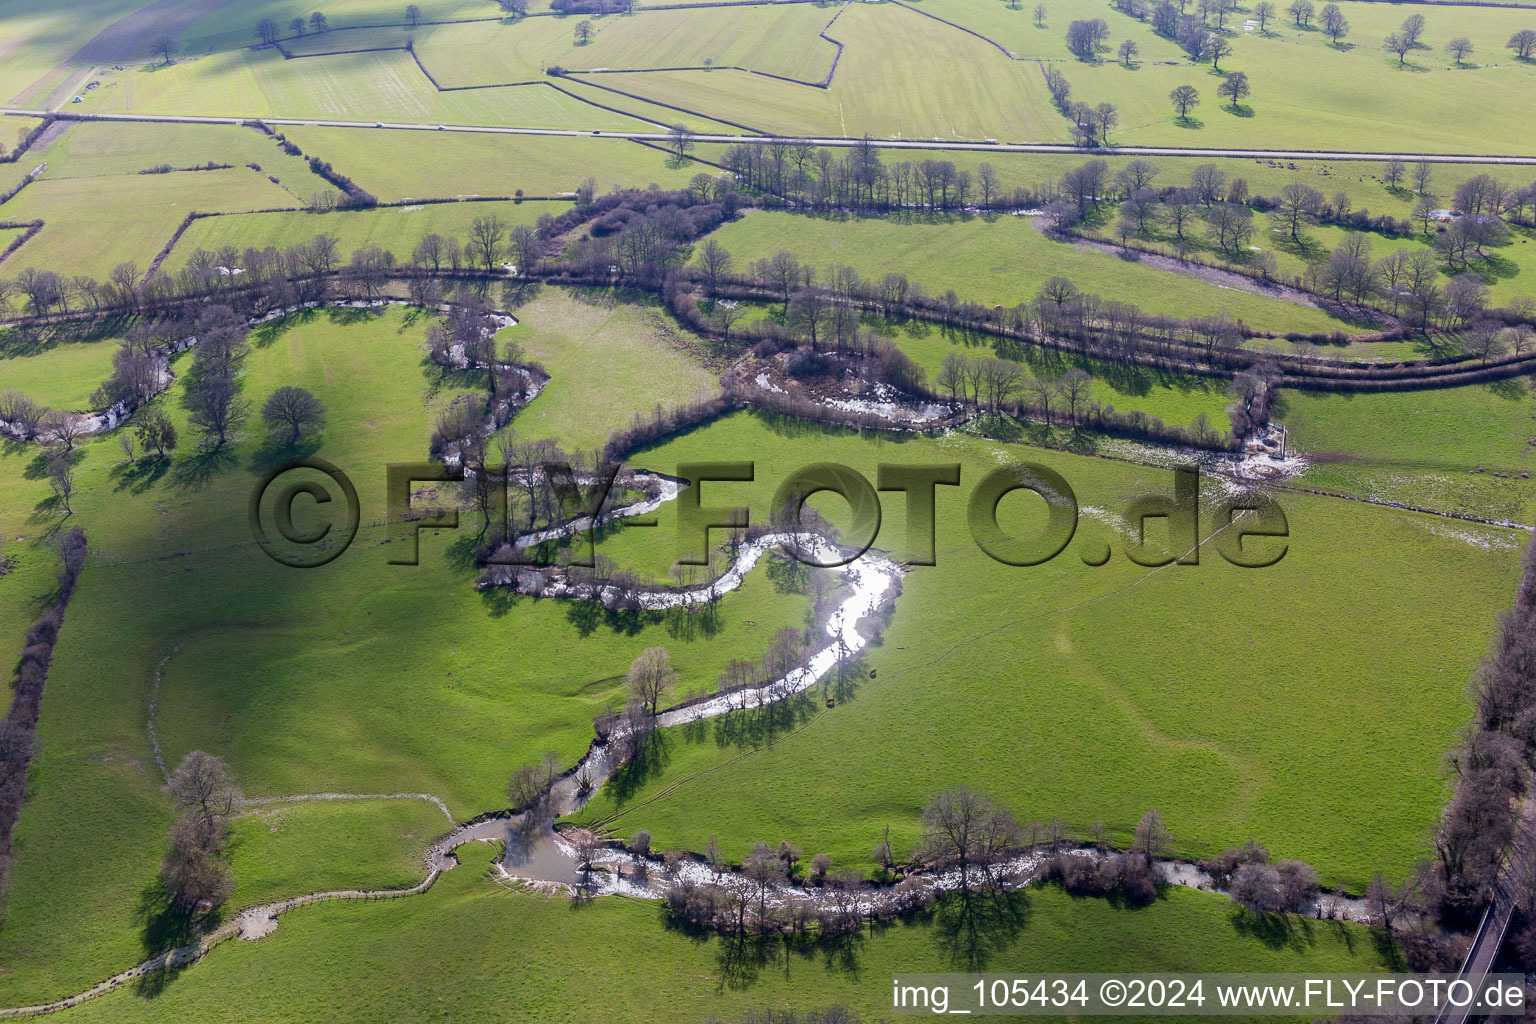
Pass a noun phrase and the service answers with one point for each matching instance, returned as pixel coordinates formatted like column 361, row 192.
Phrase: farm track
column 978, row 145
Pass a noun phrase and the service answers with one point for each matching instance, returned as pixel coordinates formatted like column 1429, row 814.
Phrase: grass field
column 996, row 260
column 488, row 951
column 281, row 850
column 61, row 373
column 291, row 678
column 228, row 26
column 91, row 226
column 1033, row 684
column 403, row 165
column 889, row 82
column 1464, row 450
column 1360, row 180
column 1308, row 93
column 608, row 361
column 387, row 86
column 105, row 148
column 40, row 35
column 397, row 229
column 780, row 39
column 1175, row 398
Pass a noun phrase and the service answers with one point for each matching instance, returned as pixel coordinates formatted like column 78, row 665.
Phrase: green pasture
column 93, row 149
column 780, row 39
column 1463, row 450
column 1310, row 94
column 404, row 165
column 226, row 27
column 896, row 77
column 1092, row 694
column 15, row 128
column 61, row 372
column 395, row 228
column 1175, row 398
column 387, row 86
column 39, row 38
column 358, row 677
column 91, row 225
column 1508, row 270
column 608, row 360
column 483, row 950
column 997, row 260
column 282, row 850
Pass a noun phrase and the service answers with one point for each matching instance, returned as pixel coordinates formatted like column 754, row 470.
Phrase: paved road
column 924, row 144
column 1495, row 923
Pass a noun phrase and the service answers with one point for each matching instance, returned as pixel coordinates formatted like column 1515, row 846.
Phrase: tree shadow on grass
column 263, row 335
column 197, row 470
column 274, row 454
column 761, row 726
column 1303, row 247
column 1277, row 931
column 1240, row 110
column 649, row 762
column 345, row 316
column 165, row 928
column 740, row 960
column 1193, row 124
column 140, row 475
column 972, row 928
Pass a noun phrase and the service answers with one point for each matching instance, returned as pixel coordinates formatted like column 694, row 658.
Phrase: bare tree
column 681, row 139
column 486, row 240
column 1234, row 87
column 202, row 786
column 584, row 32
column 1297, row 203
column 295, row 411
column 1460, row 48
column 964, row 827
column 61, row 478
column 1184, row 97
column 650, row 676
column 715, row 260
column 1152, row 838
column 165, row 45
column 63, row 428
column 1335, row 25
column 1423, row 173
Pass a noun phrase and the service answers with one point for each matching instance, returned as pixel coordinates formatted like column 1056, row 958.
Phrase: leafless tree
column 650, row 676
column 63, row 428
column 715, row 260
column 202, row 787
column 61, row 477
column 165, row 45
column 1152, row 838
column 487, row 237
column 681, row 139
